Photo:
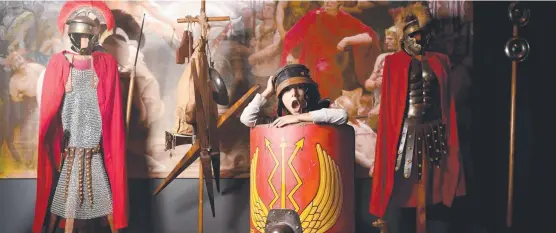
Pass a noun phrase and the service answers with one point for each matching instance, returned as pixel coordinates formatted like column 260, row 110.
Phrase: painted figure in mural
column 81, row 129
column 147, row 107
column 15, row 108
column 417, row 161
column 267, row 43
column 22, row 112
column 21, row 67
column 374, row 82
column 19, row 25
column 158, row 22
column 367, row 103
column 289, row 12
column 324, row 33
column 374, row 14
column 298, row 100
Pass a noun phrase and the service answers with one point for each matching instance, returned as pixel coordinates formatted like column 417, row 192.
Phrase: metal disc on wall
column 519, row 14
column 517, row 49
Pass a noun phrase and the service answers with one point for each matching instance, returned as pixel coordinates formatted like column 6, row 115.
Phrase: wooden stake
column 201, row 193
column 509, row 212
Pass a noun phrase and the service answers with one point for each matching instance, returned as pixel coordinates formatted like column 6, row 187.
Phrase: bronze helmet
column 78, row 27
column 414, row 20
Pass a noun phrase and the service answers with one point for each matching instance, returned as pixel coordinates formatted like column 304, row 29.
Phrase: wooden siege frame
column 205, row 144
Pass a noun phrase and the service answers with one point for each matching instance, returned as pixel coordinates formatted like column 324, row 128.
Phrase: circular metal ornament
column 517, row 49
column 519, row 14
column 219, row 90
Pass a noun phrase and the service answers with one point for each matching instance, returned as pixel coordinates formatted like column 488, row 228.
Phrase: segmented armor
column 423, row 131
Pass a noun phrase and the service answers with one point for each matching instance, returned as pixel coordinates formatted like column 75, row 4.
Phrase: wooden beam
column 193, row 152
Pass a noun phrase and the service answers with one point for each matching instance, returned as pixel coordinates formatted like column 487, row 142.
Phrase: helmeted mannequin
column 417, row 160
column 81, row 158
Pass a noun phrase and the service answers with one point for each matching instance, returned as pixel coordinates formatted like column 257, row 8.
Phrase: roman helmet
column 74, row 14
column 413, row 20
column 296, row 74
column 79, row 27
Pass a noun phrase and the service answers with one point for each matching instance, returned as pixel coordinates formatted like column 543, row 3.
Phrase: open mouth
column 296, row 105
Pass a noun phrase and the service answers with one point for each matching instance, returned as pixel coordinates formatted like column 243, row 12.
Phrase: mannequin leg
column 111, row 223
column 69, row 225
column 53, row 223
column 421, row 209
column 84, row 226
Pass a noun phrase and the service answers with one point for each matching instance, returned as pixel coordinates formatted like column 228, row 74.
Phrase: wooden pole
column 132, row 80
column 201, row 193
column 203, row 22
column 509, row 212
column 129, row 99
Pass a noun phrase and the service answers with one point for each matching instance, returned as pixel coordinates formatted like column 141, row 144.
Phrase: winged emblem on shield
column 321, row 214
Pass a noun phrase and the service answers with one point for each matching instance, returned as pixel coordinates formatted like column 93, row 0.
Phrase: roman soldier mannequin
column 417, row 161
column 81, row 149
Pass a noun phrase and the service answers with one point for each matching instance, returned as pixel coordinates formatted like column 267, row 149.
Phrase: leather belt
column 84, row 155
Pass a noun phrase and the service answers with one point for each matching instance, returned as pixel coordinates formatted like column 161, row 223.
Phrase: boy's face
column 293, row 99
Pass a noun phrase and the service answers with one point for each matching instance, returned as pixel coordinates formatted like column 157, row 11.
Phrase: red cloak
column 318, row 34
column 392, row 110
column 51, row 133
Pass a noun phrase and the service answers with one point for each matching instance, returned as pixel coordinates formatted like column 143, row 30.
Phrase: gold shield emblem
column 322, row 212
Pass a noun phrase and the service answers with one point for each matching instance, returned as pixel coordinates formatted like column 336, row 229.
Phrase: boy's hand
column 286, row 120
column 269, row 88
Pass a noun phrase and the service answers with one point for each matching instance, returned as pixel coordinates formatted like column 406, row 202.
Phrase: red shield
column 308, row 168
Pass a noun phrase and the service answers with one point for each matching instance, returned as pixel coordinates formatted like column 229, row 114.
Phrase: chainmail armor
column 73, row 198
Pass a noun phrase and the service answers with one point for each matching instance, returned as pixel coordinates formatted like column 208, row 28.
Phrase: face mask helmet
column 413, row 23
column 411, row 43
column 85, row 18
column 82, row 27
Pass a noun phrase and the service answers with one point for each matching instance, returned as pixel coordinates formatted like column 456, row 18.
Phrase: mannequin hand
column 285, row 120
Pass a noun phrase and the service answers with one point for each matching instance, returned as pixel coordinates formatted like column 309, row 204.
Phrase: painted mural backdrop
column 245, row 50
